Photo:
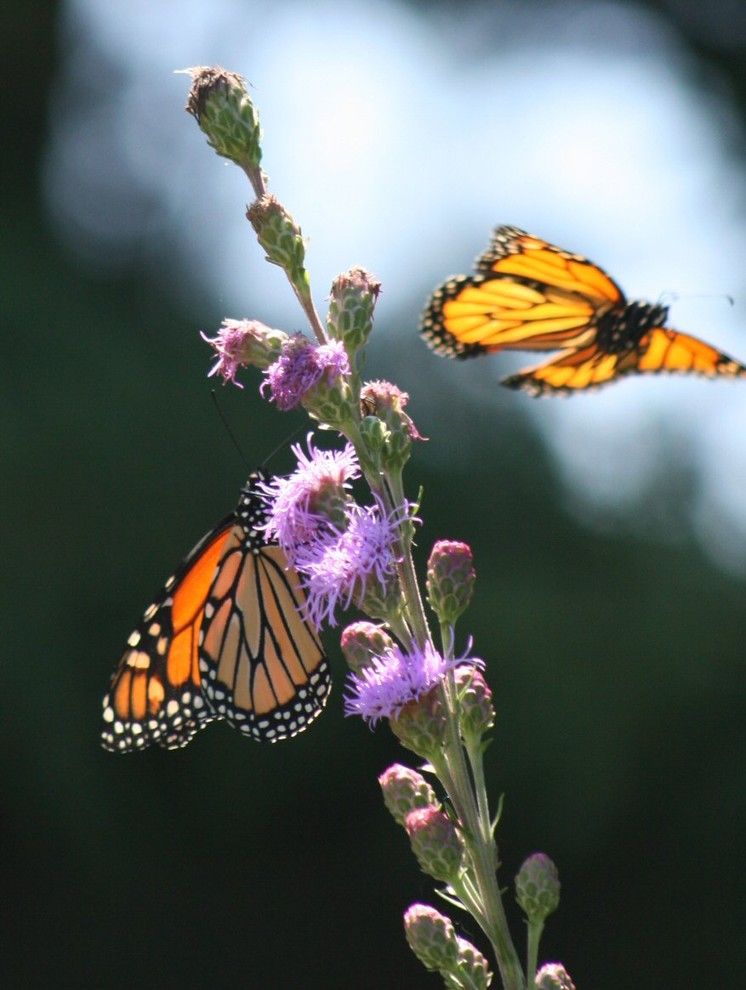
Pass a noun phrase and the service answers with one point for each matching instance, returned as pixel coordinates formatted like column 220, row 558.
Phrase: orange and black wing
column 263, row 667
column 527, row 295
column 156, row 694
column 659, row 350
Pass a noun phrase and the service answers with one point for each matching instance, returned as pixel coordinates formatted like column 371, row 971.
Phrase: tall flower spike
column 219, row 103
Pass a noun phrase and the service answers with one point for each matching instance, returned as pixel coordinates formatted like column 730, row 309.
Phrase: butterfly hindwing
column 262, row 664
column 659, row 350
column 155, row 693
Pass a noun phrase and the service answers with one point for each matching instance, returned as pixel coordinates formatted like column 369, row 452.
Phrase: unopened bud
column 431, row 937
column 553, row 976
column 472, row 967
column 405, row 790
column 450, row 579
column 476, row 710
column 382, row 402
column 422, row 725
column 219, row 103
column 537, row 887
column 360, row 642
column 351, row 304
column 281, row 238
column 436, row 843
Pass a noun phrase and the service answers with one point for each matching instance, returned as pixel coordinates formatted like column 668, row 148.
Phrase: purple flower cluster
column 393, row 679
column 302, row 365
column 233, row 345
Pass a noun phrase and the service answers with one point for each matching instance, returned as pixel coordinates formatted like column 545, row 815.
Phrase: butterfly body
column 223, row 639
column 529, row 295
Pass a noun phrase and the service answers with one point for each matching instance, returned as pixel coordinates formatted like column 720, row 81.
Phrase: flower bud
column 421, row 725
column 384, row 403
column 405, row 790
column 244, row 342
column 219, row 103
column 351, row 304
column 431, row 937
column 476, row 711
column 553, row 976
column 436, row 843
column 450, row 579
column 281, row 238
column 472, row 967
column 537, row 887
column 361, row 641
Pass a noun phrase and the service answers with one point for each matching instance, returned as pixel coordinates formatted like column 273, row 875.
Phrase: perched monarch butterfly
column 223, row 639
column 529, row 295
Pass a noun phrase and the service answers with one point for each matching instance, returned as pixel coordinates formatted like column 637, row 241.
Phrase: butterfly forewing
column 156, row 694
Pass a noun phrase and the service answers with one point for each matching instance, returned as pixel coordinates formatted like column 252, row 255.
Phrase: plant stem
column 532, row 951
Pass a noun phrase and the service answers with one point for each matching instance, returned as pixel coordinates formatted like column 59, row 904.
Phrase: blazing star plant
column 347, row 554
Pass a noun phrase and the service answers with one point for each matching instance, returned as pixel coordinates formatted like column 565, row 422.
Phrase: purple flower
column 336, row 567
column 302, row 365
column 292, row 517
column 393, row 679
column 243, row 342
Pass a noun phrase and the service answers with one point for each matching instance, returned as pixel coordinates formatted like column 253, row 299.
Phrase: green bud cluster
column 422, row 725
column 281, row 238
column 537, row 887
column 387, row 429
column 351, row 304
column 553, row 976
column 330, row 403
column 219, row 103
column 450, row 579
column 476, row 710
column 436, row 843
column 431, row 936
column 360, row 642
column 405, row 790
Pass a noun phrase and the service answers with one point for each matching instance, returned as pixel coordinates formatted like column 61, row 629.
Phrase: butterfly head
column 621, row 328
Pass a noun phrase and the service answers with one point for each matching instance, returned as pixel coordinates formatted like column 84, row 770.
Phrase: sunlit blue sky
column 398, row 141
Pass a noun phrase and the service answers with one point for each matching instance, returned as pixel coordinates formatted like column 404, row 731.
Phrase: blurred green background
column 615, row 652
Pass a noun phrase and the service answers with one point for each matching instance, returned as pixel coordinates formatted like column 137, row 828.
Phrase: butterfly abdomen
column 621, row 328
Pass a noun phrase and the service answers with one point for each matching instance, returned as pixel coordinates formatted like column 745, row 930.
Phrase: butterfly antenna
column 284, row 443
column 228, row 429
column 675, row 296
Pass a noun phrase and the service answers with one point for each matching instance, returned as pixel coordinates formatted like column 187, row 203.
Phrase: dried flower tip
column 394, row 681
column 386, row 429
column 450, row 579
column 353, row 299
column 436, row 843
column 537, row 887
column 219, row 103
column 361, row 641
column 387, row 402
column 472, row 967
column 476, row 710
column 405, row 790
column 431, row 937
column 303, row 371
column 553, row 976
column 243, row 342
column 281, row 238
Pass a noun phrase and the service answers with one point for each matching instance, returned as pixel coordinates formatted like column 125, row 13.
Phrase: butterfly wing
column 263, row 667
column 659, row 350
column 527, row 295
column 155, row 693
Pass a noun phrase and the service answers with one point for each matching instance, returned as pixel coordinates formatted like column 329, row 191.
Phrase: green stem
column 532, row 951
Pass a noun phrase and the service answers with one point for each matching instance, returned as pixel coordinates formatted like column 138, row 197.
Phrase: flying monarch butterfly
column 223, row 639
column 529, row 295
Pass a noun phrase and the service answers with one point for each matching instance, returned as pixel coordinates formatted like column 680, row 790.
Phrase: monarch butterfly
column 223, row 639
column 529, row 295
